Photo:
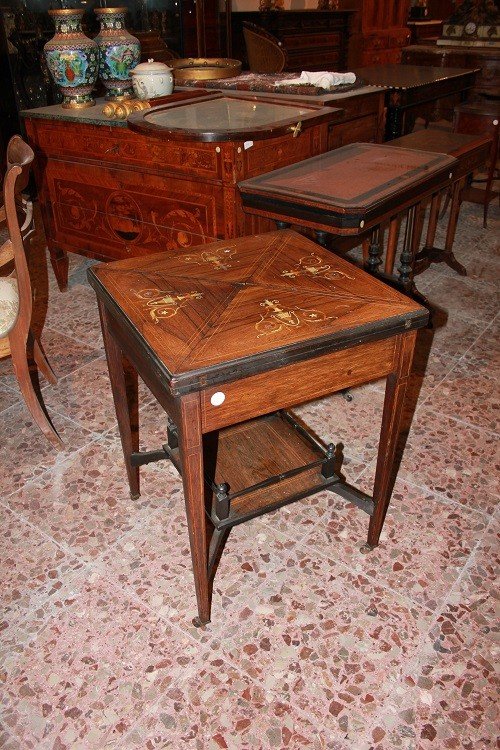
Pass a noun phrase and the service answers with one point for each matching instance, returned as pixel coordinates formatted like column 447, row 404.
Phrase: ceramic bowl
column 152, row 79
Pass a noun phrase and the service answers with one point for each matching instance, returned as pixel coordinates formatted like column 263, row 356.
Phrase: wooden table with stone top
column 230, row 335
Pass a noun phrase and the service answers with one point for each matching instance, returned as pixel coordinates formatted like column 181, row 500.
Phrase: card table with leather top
column 353, row 191
column 228, row 337
column 471, row 153
column 418, row 91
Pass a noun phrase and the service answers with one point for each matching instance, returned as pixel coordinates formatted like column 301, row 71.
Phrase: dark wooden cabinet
column 313, row 39
column 379, row 31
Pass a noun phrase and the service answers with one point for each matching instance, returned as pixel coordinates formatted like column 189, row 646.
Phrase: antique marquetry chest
column 166, row 180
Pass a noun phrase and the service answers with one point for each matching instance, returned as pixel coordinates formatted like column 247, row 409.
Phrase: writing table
column 414, row 90
column 227, row 337
column 353, row 191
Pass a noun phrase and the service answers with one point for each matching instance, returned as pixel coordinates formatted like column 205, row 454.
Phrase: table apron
column 297, row 383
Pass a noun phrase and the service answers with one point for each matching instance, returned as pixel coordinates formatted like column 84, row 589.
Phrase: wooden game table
column 353, row 191
column 228, row 336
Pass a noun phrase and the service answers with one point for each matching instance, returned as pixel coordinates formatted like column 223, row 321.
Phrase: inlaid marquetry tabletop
column 225, row 310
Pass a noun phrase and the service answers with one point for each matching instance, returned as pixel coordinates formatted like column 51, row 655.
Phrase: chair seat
column 9, row 305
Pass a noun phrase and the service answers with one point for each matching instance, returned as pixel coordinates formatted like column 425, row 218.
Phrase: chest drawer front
column 358, row 106
column 295, row 384
column 264, row 156
column 120, row 213
column 119, row 147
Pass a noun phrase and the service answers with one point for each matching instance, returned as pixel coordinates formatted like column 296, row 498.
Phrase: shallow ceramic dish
column 205, row 68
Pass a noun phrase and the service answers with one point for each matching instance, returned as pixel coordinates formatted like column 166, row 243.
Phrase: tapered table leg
column 60, row 266
column 191, row 451
column 124, row 385
column 389, row 434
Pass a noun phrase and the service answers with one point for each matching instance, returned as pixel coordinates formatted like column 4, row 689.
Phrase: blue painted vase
column 72, row 58
column 119, row 53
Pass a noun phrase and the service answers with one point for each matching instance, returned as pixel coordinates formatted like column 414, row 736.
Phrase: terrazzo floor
column 312, row 644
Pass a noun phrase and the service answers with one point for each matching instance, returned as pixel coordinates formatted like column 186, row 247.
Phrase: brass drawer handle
column 296, row 129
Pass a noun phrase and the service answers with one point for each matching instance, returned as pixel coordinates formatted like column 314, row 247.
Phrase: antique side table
column 471, row 152
column 353, row 191
column 418, row 91
column 228, row 337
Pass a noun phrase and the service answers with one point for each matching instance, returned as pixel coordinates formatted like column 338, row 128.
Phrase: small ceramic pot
column 152, row 79
column 72, row 58
column 119, row 52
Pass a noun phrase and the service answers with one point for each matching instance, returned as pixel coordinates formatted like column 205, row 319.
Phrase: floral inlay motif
column 162, row 304
column 276, row 317
column 313, row 265
column 220, row 258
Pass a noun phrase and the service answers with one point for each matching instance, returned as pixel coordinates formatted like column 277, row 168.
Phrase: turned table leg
column 392, row 244
column 374, row 252
column 191, row 452
column 124, row 384
column 389, row 434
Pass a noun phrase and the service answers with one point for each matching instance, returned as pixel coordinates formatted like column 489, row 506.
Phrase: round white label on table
column 217, row 398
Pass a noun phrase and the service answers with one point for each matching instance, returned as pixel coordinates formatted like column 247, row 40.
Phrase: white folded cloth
column 324, row 79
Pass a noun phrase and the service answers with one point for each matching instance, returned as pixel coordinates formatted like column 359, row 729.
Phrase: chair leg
column 42, row 362
column 31, row 398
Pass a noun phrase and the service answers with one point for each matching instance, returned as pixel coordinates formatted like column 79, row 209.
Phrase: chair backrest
column 265, row 53
column 19, row 159
column 153, row 46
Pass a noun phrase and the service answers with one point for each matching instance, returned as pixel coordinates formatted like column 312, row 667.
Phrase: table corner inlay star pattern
column 225, row 301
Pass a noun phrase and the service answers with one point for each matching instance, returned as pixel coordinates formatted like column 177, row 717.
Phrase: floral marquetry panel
column 108, row 192
column 140, row 215
column 225, row 304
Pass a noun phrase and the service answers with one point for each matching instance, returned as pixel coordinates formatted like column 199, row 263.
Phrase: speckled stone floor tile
column 220, row 707
column 423, row 547
column 8, row 396
column 93, row 407
column 452, row 333
column 472, row 297
column 469, row 393
column 85, row 503
column 331, row 641
column 96, row 668
column 26, row 451
column 76, row 315
column 453, row 459
column 32, row 568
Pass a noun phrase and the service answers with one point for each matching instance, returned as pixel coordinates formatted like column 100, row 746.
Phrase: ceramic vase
column 119, row 53
column 72, row 58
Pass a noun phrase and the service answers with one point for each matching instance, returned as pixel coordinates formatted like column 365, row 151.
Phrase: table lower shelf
column 261, row 465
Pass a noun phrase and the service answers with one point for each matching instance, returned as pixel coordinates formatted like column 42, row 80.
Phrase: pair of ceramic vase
column 75, row 61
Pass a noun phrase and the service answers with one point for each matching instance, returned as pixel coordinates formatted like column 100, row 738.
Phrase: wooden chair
column 17, row 339
column 153, row 46
column 265, row 53
column 481, row 118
